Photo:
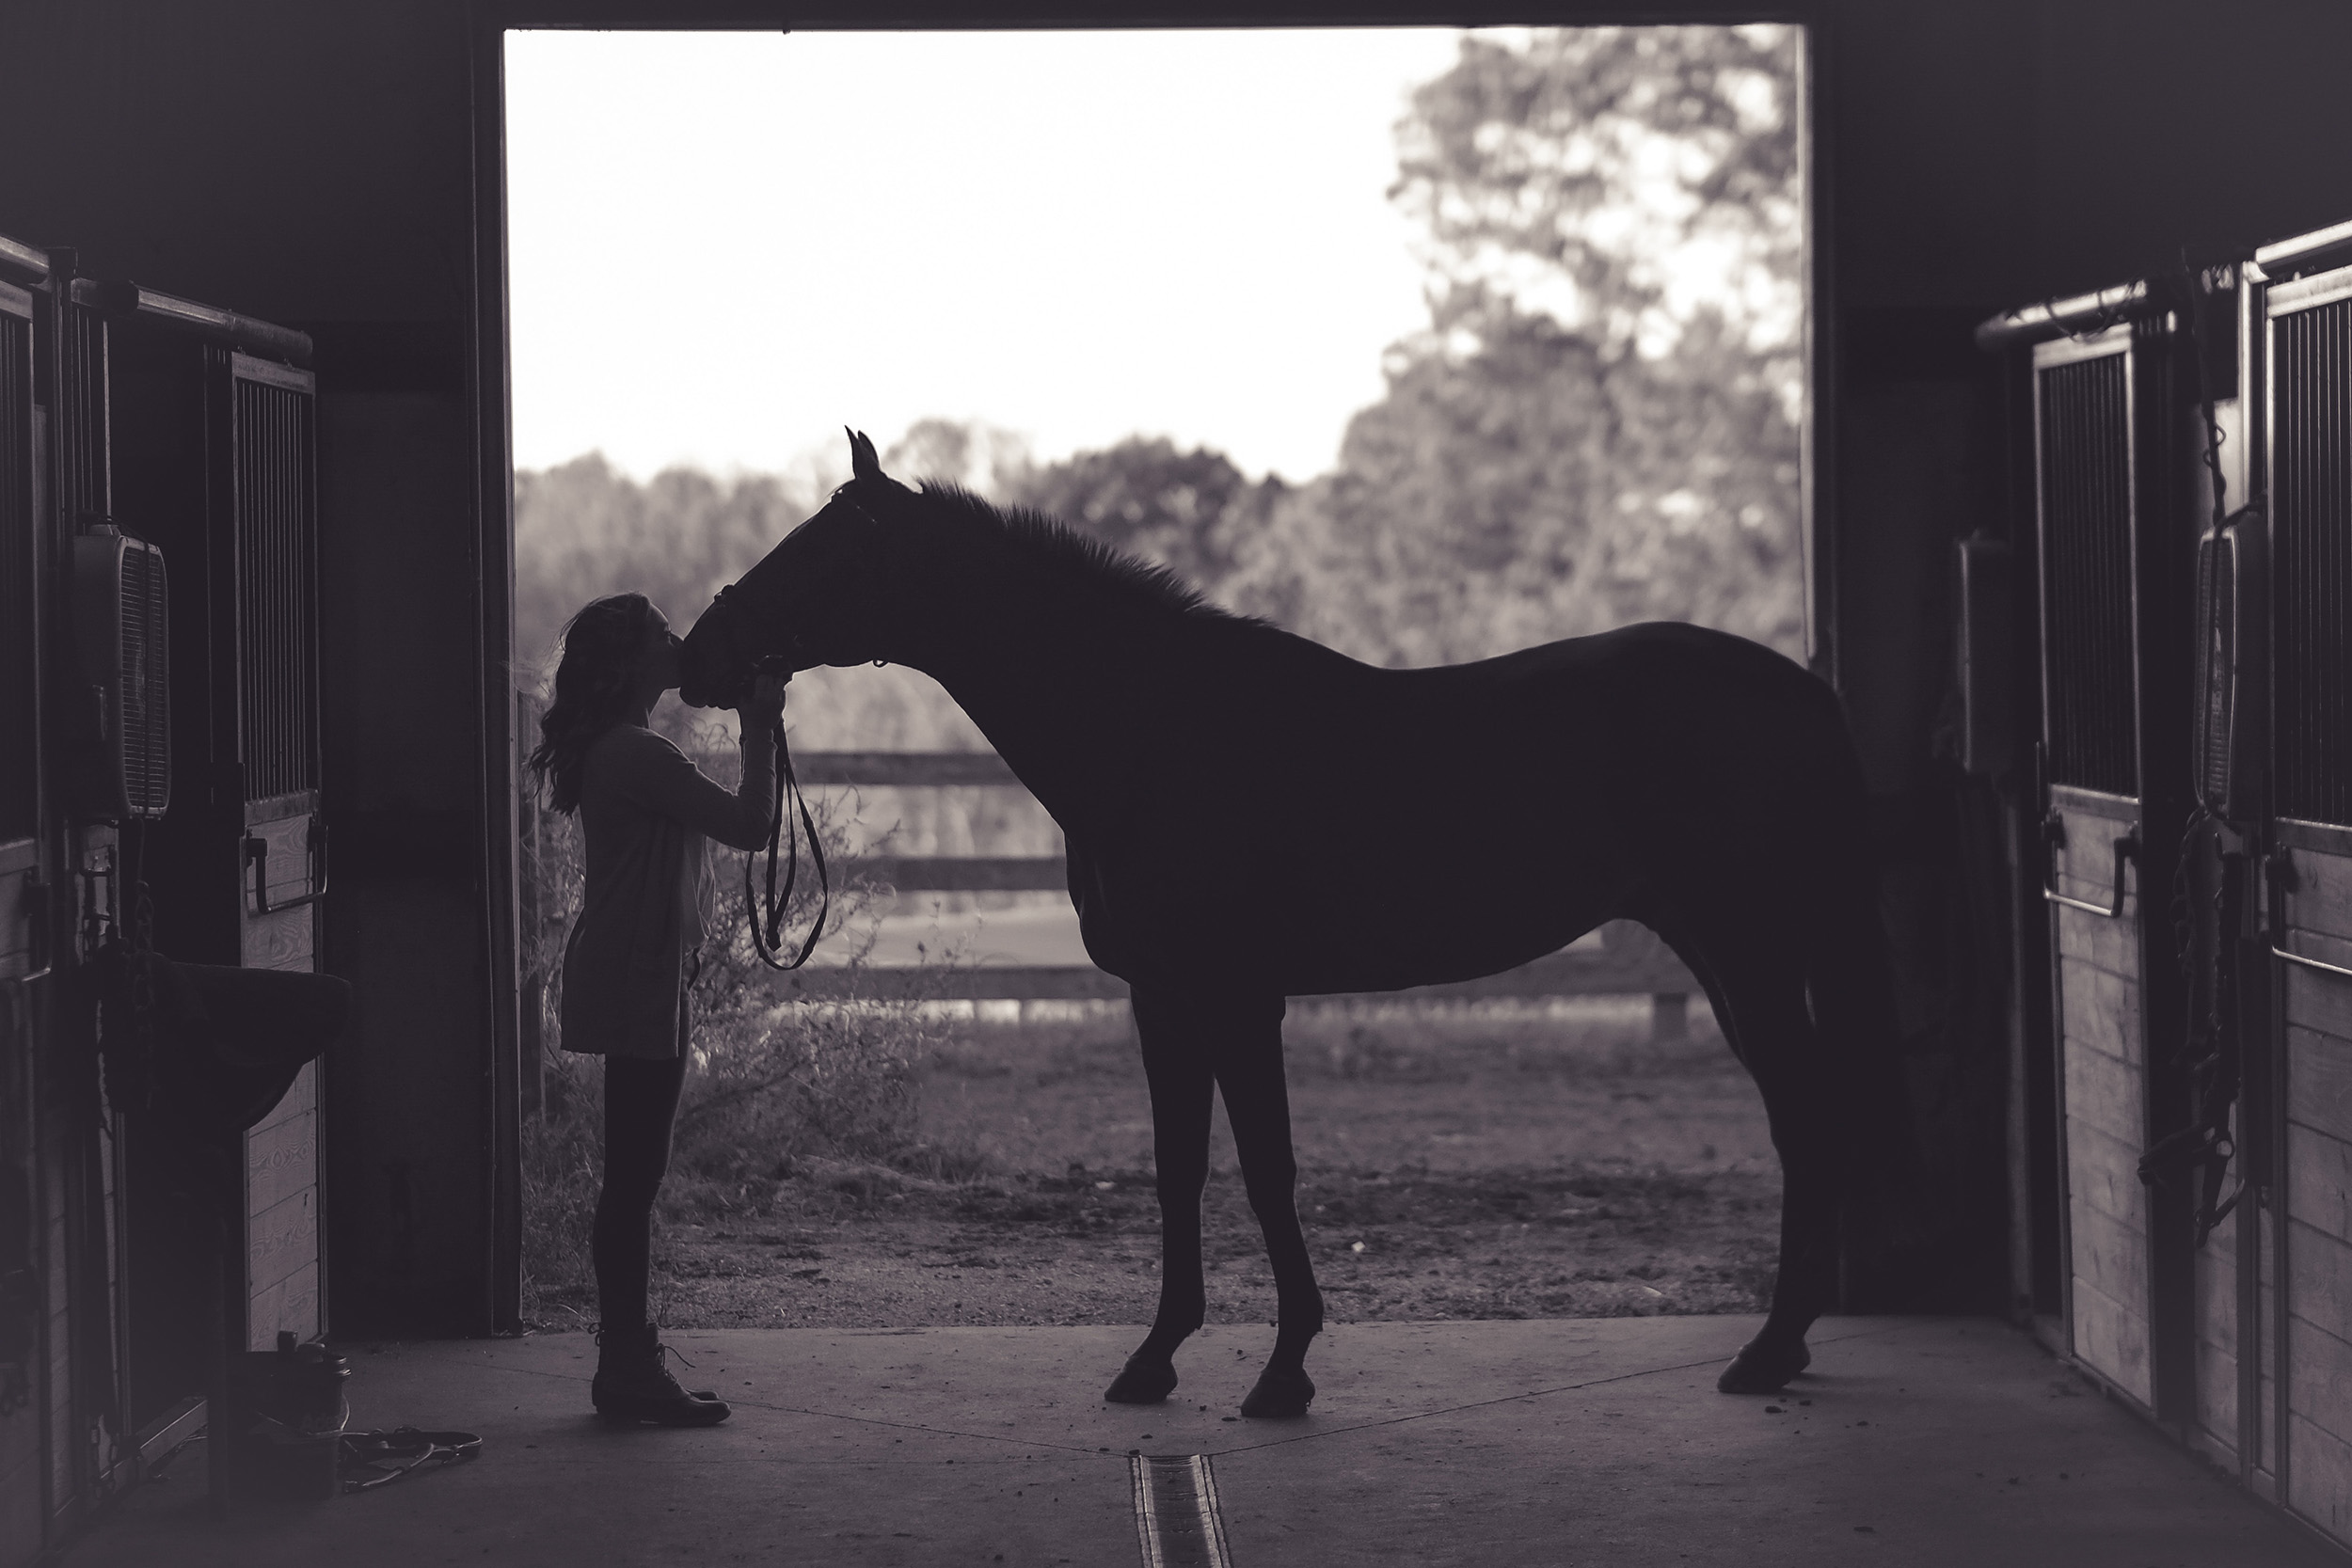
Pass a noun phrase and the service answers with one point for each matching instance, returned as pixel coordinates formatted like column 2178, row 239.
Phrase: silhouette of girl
column 644, row 814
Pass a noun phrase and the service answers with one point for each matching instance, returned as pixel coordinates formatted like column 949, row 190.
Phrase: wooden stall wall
column 2307, row 352
column 2084, row 458
column 267, row 415
column 2316, row 897
column 21, row 869
column 72, row 1154
column 60, row 1426
column 218, row 464
column 2103, row 1048
column 2111, row 456
column 27, row 935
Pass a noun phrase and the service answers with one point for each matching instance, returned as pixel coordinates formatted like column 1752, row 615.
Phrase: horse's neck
column 1032, row 676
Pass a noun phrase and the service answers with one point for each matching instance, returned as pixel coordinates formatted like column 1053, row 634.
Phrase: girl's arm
column 649, row 771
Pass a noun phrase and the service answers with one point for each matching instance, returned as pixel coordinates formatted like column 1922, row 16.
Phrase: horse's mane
column 1054, row 547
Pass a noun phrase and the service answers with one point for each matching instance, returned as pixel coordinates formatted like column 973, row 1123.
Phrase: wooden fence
column 1627, row 960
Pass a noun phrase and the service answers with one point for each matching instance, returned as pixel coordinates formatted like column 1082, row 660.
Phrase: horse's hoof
column 1141, row 1382
column 1279, row 1395
column 1762, row 1369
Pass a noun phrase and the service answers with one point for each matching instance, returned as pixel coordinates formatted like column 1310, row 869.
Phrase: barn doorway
column 1425, row 343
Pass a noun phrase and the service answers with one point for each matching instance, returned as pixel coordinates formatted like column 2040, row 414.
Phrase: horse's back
column 1659, row 716
column 1363, row 827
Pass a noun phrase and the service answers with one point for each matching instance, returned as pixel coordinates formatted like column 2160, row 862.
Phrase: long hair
column 604, row 648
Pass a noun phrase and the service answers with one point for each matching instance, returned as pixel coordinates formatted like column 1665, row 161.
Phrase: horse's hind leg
column 1257, row 1104
column 1762, row 1007
column 1176, row 1065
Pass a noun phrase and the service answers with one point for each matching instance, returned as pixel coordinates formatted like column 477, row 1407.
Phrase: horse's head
column 817, row 598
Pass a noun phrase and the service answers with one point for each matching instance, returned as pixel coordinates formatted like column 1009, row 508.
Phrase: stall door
column 22, row 893
column 24, row 931
column 271, row 511
column 2310, row 354
column 2108, row 582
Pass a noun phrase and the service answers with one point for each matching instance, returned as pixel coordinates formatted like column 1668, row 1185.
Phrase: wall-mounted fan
column 120, row 634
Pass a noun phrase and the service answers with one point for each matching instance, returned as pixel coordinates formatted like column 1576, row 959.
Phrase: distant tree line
column 1580, row 438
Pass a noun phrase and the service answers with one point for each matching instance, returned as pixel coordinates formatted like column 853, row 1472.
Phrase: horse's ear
column 864, row 463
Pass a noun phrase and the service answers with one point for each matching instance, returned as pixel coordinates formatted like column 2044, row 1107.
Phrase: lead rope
column 372, row 1459
column 2210, row 1047
column 767, row 941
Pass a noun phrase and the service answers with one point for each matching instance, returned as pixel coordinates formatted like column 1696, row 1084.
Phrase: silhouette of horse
column 1251, row 815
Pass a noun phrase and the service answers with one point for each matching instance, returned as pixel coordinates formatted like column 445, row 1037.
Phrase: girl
column 644, row 813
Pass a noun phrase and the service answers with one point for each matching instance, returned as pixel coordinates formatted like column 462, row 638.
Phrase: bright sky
column 724, row 247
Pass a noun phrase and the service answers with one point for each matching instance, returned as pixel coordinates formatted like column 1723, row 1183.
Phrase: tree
column 982, row 458
column 1188, row 511
column 582, row 531
column 1584, row 435
column 1596, row 175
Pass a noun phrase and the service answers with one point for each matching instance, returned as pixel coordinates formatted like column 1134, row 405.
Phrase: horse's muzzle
column 708, row 676
column 699, row 685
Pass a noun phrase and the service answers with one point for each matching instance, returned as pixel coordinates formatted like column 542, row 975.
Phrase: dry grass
column 1452, row 1165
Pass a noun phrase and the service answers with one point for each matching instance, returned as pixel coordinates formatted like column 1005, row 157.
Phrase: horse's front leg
column 1257, row 1104
column 1182, row 1086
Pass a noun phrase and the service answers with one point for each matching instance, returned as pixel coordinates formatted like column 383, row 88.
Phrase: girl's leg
column 639, row 1103
column 632, row 1381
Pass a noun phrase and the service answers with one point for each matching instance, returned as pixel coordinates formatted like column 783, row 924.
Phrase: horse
column 1251, row 815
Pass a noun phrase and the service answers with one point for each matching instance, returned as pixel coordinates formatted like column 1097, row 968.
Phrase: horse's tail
column 1850, row 968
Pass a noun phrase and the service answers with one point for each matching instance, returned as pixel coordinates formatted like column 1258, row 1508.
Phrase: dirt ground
column 1470, row 1166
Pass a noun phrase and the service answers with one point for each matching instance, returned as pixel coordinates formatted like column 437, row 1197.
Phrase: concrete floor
column 1926, row 1442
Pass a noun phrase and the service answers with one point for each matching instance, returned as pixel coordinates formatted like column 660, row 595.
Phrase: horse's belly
column 1389, row 923
column 1357, row 956
column 1362, row 900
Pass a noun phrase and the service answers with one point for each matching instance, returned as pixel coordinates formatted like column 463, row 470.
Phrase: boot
column 632, row 1385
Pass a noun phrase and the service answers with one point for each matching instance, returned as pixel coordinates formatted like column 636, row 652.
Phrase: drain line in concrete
column 1177, row 1521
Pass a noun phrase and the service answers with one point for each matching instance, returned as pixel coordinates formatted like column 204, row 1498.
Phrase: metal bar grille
column 2311, row 486
column 277, row 682
column 146, row 697
column 2087, row 521
column 88, row 485
column 19, row 761
column 2216, row 665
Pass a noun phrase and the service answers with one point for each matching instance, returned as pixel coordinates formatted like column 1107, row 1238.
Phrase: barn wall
column 1975, row 157
column 312, row 165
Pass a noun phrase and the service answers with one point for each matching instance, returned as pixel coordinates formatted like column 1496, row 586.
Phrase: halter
column 767, row 938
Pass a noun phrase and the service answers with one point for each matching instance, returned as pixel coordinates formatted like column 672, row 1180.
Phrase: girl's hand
column 765, row 711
